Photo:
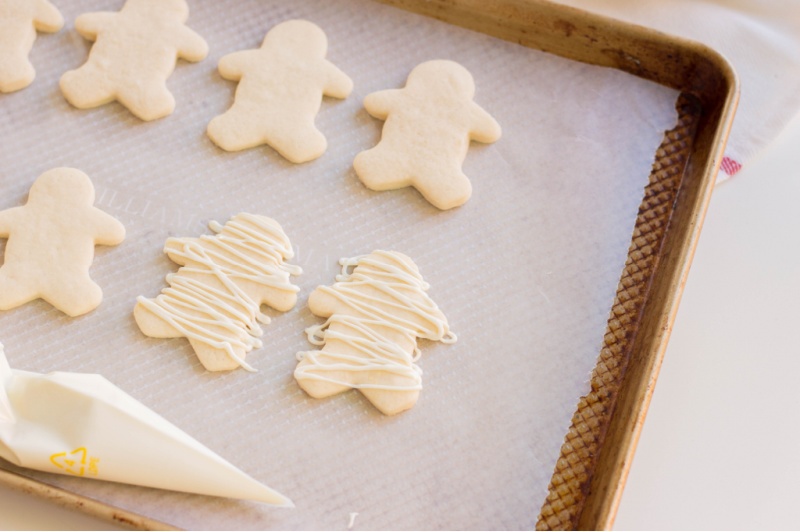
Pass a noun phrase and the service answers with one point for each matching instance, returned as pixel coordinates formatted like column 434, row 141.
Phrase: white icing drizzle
column 392, row 275
column 248, row 247
column 375, row 353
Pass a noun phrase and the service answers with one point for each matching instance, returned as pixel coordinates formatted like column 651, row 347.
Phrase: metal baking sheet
column 526, row 271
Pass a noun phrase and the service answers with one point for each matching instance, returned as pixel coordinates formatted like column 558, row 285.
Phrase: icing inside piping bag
column 83, row 425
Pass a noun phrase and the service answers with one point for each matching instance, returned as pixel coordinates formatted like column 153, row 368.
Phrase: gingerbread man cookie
column 19, row 22
column 280, row 90
column 51, row 244
column 215, row 298
column 369, row 342
column 428, row 128
column 133, row 54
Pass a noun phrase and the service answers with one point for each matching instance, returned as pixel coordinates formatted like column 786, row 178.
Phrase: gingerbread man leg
column 300, row 143
column 14, row 293
column 16, row 72
column 331, row 382
column 148, row 101
column 279, row 300
column 380, row 168
column 85, row 87
column 233, row 131
column 215, row 359
column 445, row 191
column 152, row 325
column 74, row 294
column 391, row 402
column 319, row 389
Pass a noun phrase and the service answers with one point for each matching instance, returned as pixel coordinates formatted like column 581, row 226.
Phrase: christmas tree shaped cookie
column 215, row 298
column 369, row 342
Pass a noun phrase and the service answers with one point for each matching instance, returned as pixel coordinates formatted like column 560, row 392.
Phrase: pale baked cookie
column 133, row 54
column 369, row 342
column 280, row 90
column 215, row 297
column 429, row 125
column 19, row 22
column 51, row 242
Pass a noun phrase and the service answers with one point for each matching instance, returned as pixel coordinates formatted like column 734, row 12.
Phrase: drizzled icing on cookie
column 374, row 354
column 211, row 299
column 385, row 298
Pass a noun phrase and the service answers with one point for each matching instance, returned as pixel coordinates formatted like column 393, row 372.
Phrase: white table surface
column 720, row 446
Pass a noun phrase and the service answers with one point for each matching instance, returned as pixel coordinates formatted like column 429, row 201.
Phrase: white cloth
column 761, row 39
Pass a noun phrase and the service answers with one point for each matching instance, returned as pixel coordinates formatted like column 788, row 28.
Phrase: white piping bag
column 82, row 425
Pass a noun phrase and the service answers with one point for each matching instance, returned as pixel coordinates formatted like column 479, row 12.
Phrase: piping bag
column 83, row 425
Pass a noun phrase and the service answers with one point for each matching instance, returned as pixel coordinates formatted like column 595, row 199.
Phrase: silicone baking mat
column 526, row 271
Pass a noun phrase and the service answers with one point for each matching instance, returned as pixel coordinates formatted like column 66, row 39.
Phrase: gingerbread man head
column 299, row 36
column 176, row 9
column 64, row 186
column 446, row 78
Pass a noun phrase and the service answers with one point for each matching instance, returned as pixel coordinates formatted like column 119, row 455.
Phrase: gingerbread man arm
column 483, row 128
column 321, row 303
column 232, row 66
column 8, row 218
column 191, row 46
column 337, row 83
column 174, row 248
column 380, row 104
column 436, row 312
column 108, row 231
column 47, row 18
column 90, row 24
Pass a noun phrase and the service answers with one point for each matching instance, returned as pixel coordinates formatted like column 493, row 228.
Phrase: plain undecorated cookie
column 51, row 242
column 19, row 22
column 133, row 54
column 280, row 90
column 428, row 128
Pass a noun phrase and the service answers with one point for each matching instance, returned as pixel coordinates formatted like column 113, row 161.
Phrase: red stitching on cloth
column 729, row 166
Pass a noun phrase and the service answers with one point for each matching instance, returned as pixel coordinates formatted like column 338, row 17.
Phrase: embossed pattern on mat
column 573, row 473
